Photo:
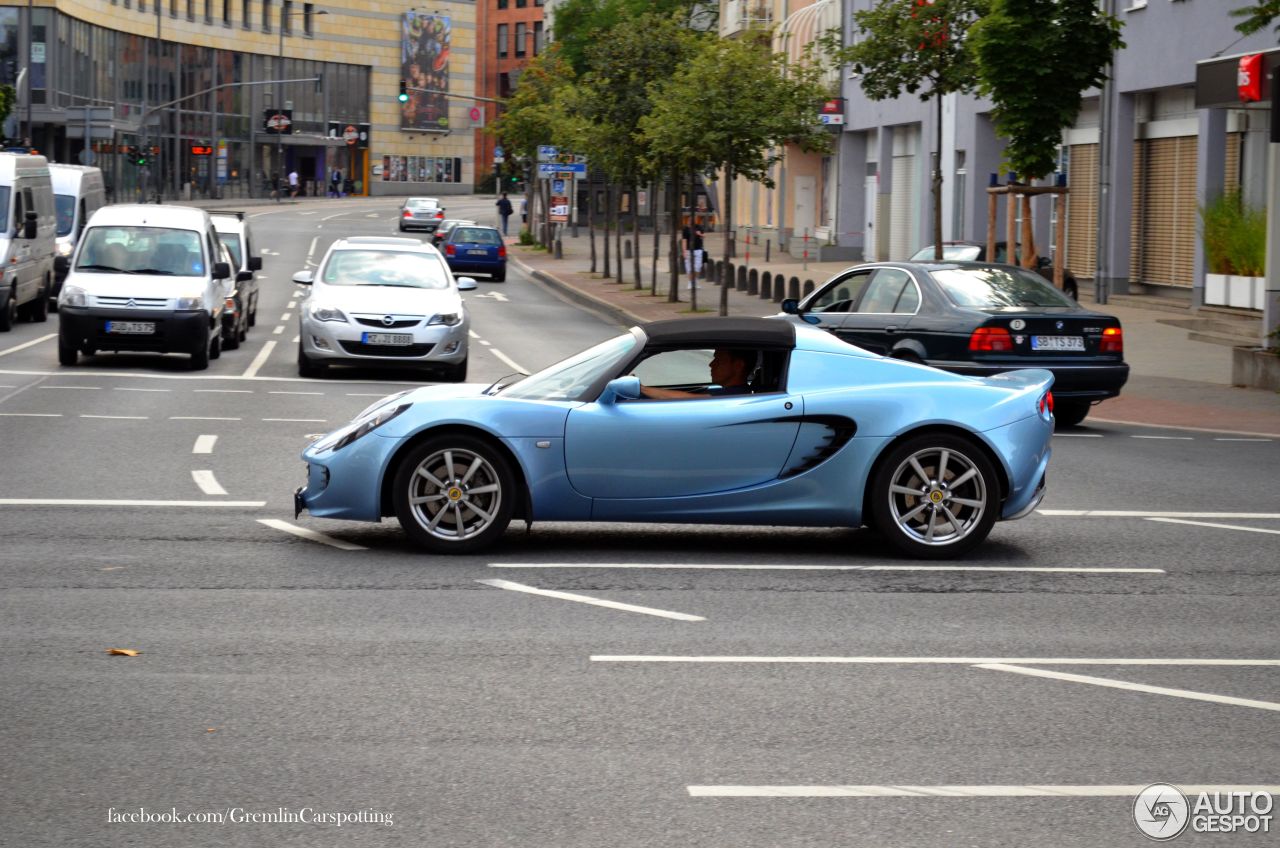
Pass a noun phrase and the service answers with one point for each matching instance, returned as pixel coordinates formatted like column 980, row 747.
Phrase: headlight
column 65, row 248
column 190, row 303
column 327, row 313
column 378, row 404
column 449, row 319
column 71, row 296
column 339, row 439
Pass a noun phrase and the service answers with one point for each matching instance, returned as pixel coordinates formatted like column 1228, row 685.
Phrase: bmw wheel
column 1069, row 413
column 454, row 494
column 935, row 496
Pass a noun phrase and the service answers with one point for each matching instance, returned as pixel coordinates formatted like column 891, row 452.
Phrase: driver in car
column 729, row 372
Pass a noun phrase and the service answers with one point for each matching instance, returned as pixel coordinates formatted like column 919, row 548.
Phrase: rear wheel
column 9, row 314
column 1069, row 413
column 501, row 276
column 38, row 309
column 935, row 496
column 454, row 494
column 215, row 346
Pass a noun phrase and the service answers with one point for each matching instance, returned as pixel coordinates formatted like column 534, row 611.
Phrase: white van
column 26, row 238
column 145, row 277
column 78, row 192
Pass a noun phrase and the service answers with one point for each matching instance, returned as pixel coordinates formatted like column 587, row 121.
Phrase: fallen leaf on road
column 123, row 652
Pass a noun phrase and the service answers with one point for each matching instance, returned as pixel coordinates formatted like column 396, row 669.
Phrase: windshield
column 65, row 206
column 384, row 268
column 572, row 378
column 950, row 253
column 475, row 235
column 999, row 288
column 233, row 247
column 141, row 250
column 4, row 210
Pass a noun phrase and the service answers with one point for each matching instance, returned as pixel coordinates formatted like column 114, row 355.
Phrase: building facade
column 511, row 32
column 191, row 89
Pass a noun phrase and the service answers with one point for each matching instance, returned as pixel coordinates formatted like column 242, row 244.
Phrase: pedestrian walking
column 505, row 210
column 691, row 238
column 335, row 183
column 293, row 183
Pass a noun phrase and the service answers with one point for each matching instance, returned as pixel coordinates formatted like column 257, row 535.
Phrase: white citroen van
column 26, row 238
column 78, row 192
column 145, row 277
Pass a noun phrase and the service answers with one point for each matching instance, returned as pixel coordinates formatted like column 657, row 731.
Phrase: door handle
column 891, row 329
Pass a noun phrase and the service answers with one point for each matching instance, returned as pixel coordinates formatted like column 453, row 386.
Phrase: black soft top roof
column 721, row 332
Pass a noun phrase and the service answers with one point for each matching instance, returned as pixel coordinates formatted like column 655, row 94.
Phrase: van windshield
column 233, row 245
column 4, row 210
column 141, row 250
column 65, row 206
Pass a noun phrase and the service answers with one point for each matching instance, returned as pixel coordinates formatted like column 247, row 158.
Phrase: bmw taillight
column 407, row 214
column 1112, row 341
column 439, row 215
column 450, row 250
column 502, row 251
column 991, row 340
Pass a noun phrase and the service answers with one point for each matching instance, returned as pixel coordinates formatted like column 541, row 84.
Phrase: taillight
column 1112, row 341
column 1046, row 404
column 450, row 250
column 439, row 216
column 407, row 214
column 502, row 251
column 991, row 340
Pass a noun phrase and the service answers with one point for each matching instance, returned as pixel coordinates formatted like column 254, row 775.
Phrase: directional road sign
column 546, row 169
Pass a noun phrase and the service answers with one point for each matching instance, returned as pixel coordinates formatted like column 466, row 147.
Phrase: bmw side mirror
column 221, row 270
column 255, row 263
column 303, row 278
column 622, row 388
column 466, row 284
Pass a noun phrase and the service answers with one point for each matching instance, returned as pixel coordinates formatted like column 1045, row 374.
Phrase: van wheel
column 38, row 309
column 67, row 353
column 200, row 356
column 253, row 313
column 215, row 346
column 9, row 315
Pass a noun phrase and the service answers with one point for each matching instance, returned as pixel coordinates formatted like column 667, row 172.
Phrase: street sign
column 498, row 151
column 87, row 156
column 546, row 169
column 557, row 185
column 559, row 210
column 546, row 153
column 831, row 120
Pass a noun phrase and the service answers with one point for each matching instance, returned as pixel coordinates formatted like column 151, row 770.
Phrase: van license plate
column 131, row 328
column 1057, row 343
column 387, row 339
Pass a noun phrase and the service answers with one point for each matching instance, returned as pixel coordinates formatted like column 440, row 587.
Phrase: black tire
column 200, row 356
column 500, row 277
column 231, row 340
column 215, row 345
column 253, row 312
column 67, row 353
column 455, row 373
column 9, row 314
column 1069, row 413
column 307, row 367
column 455, row 519
column 965, row 514
column 38, row 309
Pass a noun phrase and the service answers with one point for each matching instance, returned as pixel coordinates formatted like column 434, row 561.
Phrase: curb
column 613, row 313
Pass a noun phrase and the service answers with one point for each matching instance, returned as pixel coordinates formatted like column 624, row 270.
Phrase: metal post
column 279, row 107
column 1271, row 286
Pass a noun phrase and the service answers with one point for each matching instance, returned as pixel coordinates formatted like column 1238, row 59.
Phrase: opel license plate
column 1057, row 343
column 131, row 328
column 386, row 338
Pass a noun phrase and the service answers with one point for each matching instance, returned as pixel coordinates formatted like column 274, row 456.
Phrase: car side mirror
column 466, row 284
column 303, row 278
column 255, row 263
column 221, row 270
column 30, row 226
column 244, row 276
column 791, row 306
column 622, row 388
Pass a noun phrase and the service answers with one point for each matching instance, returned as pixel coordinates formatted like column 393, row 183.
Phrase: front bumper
column 346, row 484
column 1079, row 382
column 333, row 342
column 175, row 332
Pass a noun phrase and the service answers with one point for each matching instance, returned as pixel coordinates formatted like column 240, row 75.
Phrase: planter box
column 1256, row 368
column 1230, row 290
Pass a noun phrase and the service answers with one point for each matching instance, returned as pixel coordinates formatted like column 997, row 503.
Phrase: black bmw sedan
column 978, row 319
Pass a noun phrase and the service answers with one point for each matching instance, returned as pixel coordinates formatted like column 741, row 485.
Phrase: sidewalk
column 1173, row 382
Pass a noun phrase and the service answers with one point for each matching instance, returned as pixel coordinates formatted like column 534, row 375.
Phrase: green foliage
column 582, row 24
column 1034, row 59
column 533, row 113
column 1235, row 236
column 904, row 48
column 1257, row 17
column 7, row 98
column 527, row 239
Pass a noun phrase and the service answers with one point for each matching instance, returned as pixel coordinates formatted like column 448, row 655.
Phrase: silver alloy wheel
column 937, row 496
column 455, row 494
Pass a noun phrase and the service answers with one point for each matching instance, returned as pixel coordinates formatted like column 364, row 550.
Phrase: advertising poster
column 424, row 63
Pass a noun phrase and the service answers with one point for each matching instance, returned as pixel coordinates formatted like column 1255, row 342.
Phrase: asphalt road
column 348, row 675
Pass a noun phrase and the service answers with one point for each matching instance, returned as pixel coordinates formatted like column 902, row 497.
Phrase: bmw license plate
column 480, row 252
column 1057, row 343
column 131, row 328
column 386, row 338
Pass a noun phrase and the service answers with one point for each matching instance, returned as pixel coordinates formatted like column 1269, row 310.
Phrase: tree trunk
column 608, row 217
column 937, row 180
column 728, row 230
column 693, row 217
column 1028, row 249
column 657, row 236
column 618, row 231
column 591, row 222
column 673, row 295
column 635, row 234
column 529, row 185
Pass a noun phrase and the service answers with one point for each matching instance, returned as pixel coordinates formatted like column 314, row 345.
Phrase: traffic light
column 404, row 92
column 140, row 156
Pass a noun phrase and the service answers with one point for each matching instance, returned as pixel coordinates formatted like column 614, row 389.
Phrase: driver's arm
column 670, row 394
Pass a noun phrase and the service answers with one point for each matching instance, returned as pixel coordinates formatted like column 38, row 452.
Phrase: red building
column 510, row 34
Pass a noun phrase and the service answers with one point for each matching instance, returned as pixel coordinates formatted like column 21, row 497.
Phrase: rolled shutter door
column 1082, row 210
column 903, row 208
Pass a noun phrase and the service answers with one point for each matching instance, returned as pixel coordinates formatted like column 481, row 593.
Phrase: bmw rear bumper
column 1078, row 382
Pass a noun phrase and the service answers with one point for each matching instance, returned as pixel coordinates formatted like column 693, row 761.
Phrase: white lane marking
column 207, row 483
column 331, row 217
column 364, row 394
column 958, row 791
column 286, row 316
column 312, row 248
column 485, row 343
column 507, row 360
column 1227, row 439
column 204, row 444
column 26, row 345
column 299, row 420
column 81, row 388
column 200, row 418
column 1151, row 513
column 583, row 599
column 311, row 535
column 1166, row 438
column 1183, row 429
column 8, row 387
column 372, row 215
column 296, row 393
column 297, row 339
column 473, row 334
column 1135, row 687
column 1211, row 524
column 31, row 414
column 1155, row 661
column 87, row 502
column 208, row 378
column 1077, row 435
column 278, row 330
column 702, row 566
column 259, row 360
column 118, row 417
column 226, row 391
column 122, row 389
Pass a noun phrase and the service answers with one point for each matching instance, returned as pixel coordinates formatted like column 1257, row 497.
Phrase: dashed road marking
column 1219, row 526
column 296, row 393
column 118, row 417
column 90, row 502
column 26, row 345
column 310, row 535
column 204, row 444
column 1135, row 687
column 131, row 389
column 299, row 420
column 226, row 391
column 700, row 566
column 508, row 360
column 278, row 330
column 584, row 599
column 31, row 414
column 960, row 791
column 1166, row 438
column 78, row 388
column 207, row 483
column 1133, row 513
column 259, row 360
column 201, row 418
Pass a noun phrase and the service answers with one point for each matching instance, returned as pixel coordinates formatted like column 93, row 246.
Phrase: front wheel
column 456, row 373
column 9, row 313
column 454, row 494
column 67, row 352
column 935, row 496
column 308, row 367
column 1069, row 413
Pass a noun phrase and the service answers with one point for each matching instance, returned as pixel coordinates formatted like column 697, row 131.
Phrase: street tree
column 915, row 46
column 580, row 24
column 731, row 107
column 1035, row 58
column 7, row 98
column 1257, row 17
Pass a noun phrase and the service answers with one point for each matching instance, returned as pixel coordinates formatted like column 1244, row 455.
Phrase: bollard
column 727, row 278
column 767, row 244
column 753, row 282
column 626, row 249
column 742, row 278
column 808, row 287
column 766, row 286
column 793, row 288
column 709, row 270
column 778, row 289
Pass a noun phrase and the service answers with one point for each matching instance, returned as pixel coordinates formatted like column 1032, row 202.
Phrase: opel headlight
column 339, row 439
column 65, row 248
column 449, row 319
column 190, row 304
column 71, row 296
column 327, row 313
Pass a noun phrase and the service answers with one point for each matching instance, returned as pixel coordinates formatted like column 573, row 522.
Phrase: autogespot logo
column 1161, row 812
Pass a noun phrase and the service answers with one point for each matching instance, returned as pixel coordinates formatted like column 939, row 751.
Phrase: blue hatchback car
column 476, row 250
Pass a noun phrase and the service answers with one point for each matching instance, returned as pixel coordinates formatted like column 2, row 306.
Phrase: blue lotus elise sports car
column 811, row 431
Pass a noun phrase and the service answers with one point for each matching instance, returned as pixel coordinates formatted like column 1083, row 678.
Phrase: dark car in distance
column 977, row 319
column 476, row 249
column 972, row 251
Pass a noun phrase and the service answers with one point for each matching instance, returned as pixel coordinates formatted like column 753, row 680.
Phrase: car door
column 647, row 448
column 883, row 312
column 831, row 303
